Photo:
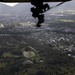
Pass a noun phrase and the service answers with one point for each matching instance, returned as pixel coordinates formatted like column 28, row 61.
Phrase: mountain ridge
column 23, row 8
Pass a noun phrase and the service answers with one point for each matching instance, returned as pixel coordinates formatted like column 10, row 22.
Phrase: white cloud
column 10, row 4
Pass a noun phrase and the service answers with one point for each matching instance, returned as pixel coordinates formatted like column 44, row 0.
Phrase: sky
column 12, row 4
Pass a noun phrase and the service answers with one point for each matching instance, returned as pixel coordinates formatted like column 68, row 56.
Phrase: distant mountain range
column 25, row 8
column 4, row 9
column 68, row 6
column 65, row 6
column 17, row 9
column 22, row 8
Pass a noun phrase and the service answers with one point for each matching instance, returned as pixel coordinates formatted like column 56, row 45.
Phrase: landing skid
column 38, row 11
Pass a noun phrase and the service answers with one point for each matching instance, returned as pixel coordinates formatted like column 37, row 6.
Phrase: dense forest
column 48, row 62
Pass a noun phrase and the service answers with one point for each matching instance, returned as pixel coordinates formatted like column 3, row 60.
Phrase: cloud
column 10, row 4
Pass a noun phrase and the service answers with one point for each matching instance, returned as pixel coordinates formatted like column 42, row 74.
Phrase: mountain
column 68, row 6
column 65, row 6
column 24, row 8
column 21, row 8
column 4, row 9
column 17, row 9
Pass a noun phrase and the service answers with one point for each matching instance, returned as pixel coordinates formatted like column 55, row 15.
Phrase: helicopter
column 39, row 7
